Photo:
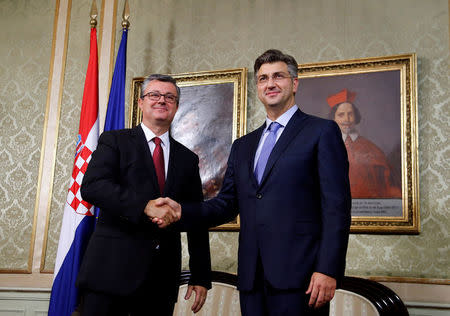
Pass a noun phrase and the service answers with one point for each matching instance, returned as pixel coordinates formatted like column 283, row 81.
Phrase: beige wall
column 185, row 36
column 25, row 55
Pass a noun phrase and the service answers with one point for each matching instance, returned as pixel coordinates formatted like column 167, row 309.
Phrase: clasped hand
column 163, row 211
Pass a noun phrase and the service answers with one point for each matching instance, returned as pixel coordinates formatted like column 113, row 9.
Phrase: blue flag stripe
column 62, row 299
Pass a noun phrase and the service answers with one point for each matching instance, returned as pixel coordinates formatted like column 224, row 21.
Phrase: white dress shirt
column 165, row 144
column 282, row 120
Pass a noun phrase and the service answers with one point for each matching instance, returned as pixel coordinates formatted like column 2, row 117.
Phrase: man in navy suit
column 289, row 182
column 132, row 266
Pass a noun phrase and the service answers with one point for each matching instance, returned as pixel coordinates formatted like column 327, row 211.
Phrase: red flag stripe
column 90, row 94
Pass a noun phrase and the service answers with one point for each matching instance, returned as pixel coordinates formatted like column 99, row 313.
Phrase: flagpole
column 115, row 112
column 126, row 15
column 94, row 14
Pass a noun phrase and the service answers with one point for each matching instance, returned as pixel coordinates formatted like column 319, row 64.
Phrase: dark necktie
column 267, row 147
column 158, row 160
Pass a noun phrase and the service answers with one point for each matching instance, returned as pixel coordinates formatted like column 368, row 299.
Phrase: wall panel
column 24, row 68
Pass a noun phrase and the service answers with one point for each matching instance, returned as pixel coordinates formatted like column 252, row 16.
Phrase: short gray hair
column 163, row 78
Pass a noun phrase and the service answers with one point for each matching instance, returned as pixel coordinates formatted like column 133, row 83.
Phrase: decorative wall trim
column 44, row 135
column 427, row 305
column 409, row 280
column 55, row 91
column 33, row 281
column 14, row 292
column 26, row 303
column 424, row 293
column 48, row 148
column 56, row 73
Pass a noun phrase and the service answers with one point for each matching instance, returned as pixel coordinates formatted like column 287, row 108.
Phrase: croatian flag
column 78, row 220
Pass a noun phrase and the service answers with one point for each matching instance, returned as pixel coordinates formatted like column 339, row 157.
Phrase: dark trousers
column 151, row 299
column 264, row 300
column 99, row 304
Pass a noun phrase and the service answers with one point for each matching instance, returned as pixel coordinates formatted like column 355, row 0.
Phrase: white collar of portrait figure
column 353, row 136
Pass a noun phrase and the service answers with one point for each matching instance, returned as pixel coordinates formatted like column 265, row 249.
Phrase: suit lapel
column 294, row 126
column 144, row 152
column 171, row 172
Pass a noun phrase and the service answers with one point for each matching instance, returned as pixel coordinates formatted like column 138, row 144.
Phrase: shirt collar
column 149, row 135
column 284, row 118
column 353, row 136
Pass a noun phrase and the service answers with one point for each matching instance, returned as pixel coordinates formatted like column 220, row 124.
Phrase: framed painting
column 374, row 102
column 211, row 114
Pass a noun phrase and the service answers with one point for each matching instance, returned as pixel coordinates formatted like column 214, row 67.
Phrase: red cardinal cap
column 340, row 97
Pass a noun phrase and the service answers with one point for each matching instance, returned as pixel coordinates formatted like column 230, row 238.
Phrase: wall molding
column 54, row 97
column 408, row 280
column 26, row 303
column 31, row 301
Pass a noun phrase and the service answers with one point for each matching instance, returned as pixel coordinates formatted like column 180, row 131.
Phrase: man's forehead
column 271, row 68
column 345, row 106
column 161, row 85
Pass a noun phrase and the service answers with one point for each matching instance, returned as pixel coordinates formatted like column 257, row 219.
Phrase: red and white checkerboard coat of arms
column 74, row 199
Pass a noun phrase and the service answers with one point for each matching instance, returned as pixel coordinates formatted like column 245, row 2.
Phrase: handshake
column 163, row 211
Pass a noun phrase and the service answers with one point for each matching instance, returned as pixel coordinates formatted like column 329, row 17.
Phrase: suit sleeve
column 198, row 240
column 102, row 187
column 335, row 202
column 219, row 210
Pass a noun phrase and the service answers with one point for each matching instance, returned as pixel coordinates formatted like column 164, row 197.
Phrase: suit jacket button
column 259, row 196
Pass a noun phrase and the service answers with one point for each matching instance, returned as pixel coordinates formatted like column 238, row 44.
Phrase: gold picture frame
column 385, row 92
column 210, row 116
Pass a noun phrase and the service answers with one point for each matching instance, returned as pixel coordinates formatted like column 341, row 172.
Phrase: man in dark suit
column 288, row 180
column 132, row 266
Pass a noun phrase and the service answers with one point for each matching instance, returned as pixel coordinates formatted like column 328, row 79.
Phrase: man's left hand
column 321, row 288
column 200, row 296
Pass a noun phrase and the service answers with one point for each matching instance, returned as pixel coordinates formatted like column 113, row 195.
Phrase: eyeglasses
column 276, row 77
column 155, row 96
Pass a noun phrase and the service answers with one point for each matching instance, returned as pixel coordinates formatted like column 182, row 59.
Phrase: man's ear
column 295, row 85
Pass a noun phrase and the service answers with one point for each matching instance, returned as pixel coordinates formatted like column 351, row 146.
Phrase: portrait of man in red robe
column 370, row 173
